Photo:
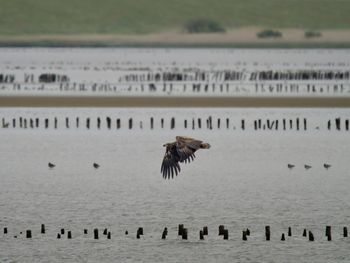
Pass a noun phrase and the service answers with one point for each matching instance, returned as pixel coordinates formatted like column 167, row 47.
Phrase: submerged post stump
column 5, row 230
column 345, row 231
column 226, row 234
column 184, row 233
column 289, row 231
column 221, row 230
column 62, row 231
column 244, row 235
column 29, row 234
column 201, row 236
column 58, row 236
column 205, row 230
column 304, row 233
column 95, row 233
column 283, row 238
column 180, row 230
column 105, row 231
column 85, row 231
column 328, row 233
column 311, row 236
column 42, row 229
column 69, row 234
column 165, row 232
column 109, row 235
column 267, row 233
column 248, row 232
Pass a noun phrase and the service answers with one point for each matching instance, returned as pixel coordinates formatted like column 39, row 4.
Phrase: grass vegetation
column 18, row 17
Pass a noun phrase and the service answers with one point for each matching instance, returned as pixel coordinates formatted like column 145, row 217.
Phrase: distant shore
column 88, row 101
column 242, row 37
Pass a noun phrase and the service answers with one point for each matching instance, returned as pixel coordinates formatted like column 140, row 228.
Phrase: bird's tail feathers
column 205, row 146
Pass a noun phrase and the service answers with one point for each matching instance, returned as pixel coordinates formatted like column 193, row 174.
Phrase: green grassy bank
column 30, row 17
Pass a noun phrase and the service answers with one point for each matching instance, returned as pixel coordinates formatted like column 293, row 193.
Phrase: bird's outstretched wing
column 186, row 148
column 170, row 164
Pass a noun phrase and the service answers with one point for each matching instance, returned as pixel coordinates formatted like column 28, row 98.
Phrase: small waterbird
column 182, row 150
column 327, row 166
column 96, row 165
column 51, row 165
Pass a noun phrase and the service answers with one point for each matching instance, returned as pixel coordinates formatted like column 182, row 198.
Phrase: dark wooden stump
column 29, row 234
column 42, row 229
column 95, row 233
column 289, row 231
column 345, row 231
column 283, row 238
column 180, row 229
column 205, row 231
column 244, row 235
column 201, row 236
column 221, row 230
column 311, row 236
column 267, row 233
column 69, row 234
column 184, row 233
column 226, row 234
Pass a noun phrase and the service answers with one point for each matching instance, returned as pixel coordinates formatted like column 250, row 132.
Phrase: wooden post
column 105, row 231
column 244, row 235
column 165, row 232
column 201, row 236
column 109, row 235
column 28, row 234
column 267, row 233
column 347, row 124
column 199, row 123
column 58, row 236
column 228, row 123
column 193, row 124
column 140, row 231
column 118, row 124
column 77, row 122
column 345, row 231
column 185, row 124
column 284, row 124
column 328, row 233
column 162, row 123
column 243, row 124
column 126, row 232
column 69, row 234
column 219, row 123
column 205, row 230
column 67, row 123
column 180, row 229
column 226, row 234
column 184, row 233
column 98, row 123
column 304, row 233
column 172, row 124
column 283, row 238
column 311, row 236
column 62, row 231
column 221, row 230
column 289, row 231
column 247, row 232
column 95, row 233
column 85, row 231
column 109, row 121
column 37, row 122
column 5, row 230
column 88, row 123
column 152, row 123
column 42, row 229
column 305, row 124
column 297, row 124
column 130, row 123
column 46, row 123
column 337, row 123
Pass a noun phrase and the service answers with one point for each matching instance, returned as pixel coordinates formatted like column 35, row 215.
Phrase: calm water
column 242, row 181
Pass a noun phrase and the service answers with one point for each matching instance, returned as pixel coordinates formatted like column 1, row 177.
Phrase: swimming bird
column 182, row 150
column 291, row 166
column 327, row 166
column 307, row 167
column 96, row 165
column 51, row 165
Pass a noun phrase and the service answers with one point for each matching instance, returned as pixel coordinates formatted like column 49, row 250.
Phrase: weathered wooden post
column 329, row 124
column 172, row 124
column 140, row 230
column 193, row 124
column 118, row 124
column 105, row 231
column 13, row 123
column 69, row 234
column 219, row 123
column 25, row 123
column 347, row 124
column 289, row 231
column 109, row 235
column 284, row 124
column 46, row 123
column 109, row 121
column 304, row 233
column 243, row 124
column 305, row 124
column 62, row 231
column 228, row 123
column 95, row 233
column 247, row 232
column 5, row 230
column 205, row 230
column 58, row 236
column 201, row 236
column 37, row 122
column 199, row 123
column 267, row 233
column 337, row 123
column 328, row 233
column 165, row 232
column 226, row 234
column 311, row 236
column 184, row 233
column 221, row 230
column 185, row 124
column 31, row 123
column 88, row 123
column 130, row 123
column 126, row 232
column 85, row 231
column 28, row 234
column 152, row 123
column 20, row 122
column 345, row 231
column 290, row 124
column 77, row 122
column 98, row 122
column 297, row 124
column 162, row 123
column 67, row 122
column 244, row 235
column 180, row 229
column 42, row 229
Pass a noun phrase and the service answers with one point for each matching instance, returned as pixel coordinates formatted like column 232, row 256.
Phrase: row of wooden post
column 183, row 232
column 259, row 124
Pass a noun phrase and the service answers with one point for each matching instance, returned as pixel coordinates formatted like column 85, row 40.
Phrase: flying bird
column 307, row 167
column 51, row 165
column 182, row 150
column 96, row 165
column 291, row 166
column 327, row 166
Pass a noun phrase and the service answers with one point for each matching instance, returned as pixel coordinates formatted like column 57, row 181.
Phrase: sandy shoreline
column 27, row 101
column 241, row 36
